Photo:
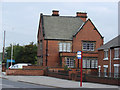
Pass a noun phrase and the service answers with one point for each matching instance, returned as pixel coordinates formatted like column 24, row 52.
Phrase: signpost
column 79, row 56
column 8, row 61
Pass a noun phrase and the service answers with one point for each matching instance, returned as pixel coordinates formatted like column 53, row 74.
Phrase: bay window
column 90, row 62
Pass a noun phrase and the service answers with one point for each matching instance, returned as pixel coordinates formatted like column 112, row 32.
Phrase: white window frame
column 64, row 47
column 91, row 47
column 106, row 54
column 105, row 70
column 70, row 62
column 90, row 63
column 60, row 47
column 68, row 47
column 116, row 73
column 116, row 54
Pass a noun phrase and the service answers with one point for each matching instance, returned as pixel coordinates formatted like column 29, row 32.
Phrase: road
column 15, row 84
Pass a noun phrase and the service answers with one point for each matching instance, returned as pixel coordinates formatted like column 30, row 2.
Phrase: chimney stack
column 55, row 13
column 82, row 15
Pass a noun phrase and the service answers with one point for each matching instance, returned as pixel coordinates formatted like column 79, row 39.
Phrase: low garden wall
column 103, row 80
column 33, row 67
column 25, row 72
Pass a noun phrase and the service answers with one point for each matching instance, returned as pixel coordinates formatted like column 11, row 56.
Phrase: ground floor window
column 116, row 70
column 90, row 62
column 70, row 62
column 105, row 70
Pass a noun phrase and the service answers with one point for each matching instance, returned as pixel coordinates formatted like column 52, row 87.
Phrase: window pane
column 105, row 72
column 93, row 63
column 88, row 63
column 116, row 71
column 105, row 54
column 96, row 63
column 68, row 47
column 84, row 63
column 64, row 47
column 60, row 47
column 116, row 54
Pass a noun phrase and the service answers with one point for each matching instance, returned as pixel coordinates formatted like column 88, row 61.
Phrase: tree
column 23, row 54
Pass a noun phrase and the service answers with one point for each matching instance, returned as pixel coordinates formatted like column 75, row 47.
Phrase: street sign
column 9, row 60
column 79, row 54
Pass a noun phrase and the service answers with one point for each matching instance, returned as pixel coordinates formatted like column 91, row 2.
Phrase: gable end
column 83, row 26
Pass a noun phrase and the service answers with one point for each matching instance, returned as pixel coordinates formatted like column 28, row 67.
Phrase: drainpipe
column 46, row 51
column 110, row 64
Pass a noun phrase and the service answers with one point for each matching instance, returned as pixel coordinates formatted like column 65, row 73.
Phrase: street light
column 11, row 53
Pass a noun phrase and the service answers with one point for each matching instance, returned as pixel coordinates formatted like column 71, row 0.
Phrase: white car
column 18, row 66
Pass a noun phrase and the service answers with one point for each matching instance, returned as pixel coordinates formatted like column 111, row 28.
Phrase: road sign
column 79, row 54
column 9, row 60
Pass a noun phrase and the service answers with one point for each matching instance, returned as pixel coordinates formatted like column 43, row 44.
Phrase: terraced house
column 109, row 58
column 60, row 37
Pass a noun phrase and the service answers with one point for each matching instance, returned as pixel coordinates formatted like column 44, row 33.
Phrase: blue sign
column 79, row 54
column 9, row 60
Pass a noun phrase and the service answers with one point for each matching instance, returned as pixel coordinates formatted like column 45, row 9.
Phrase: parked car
column 19, row 65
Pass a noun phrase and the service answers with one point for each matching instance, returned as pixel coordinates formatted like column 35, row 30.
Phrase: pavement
column 56, row 82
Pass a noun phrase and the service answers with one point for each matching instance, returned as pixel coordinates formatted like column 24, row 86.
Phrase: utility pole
column 3, row 47
column 11, row 53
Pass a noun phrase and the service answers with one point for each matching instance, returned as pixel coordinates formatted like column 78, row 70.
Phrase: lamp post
column 11, row 53
column 3, row 47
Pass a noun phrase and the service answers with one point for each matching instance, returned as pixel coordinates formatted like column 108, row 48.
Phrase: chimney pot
column 55, row 13
column 82, row 15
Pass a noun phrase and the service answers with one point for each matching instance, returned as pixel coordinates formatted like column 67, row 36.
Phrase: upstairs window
column 64, row 47
column 105, row 54
column 116, row 53
column 88, row 46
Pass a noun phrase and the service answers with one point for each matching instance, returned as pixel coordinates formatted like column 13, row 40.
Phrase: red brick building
column 109, row 58
column 60, row 37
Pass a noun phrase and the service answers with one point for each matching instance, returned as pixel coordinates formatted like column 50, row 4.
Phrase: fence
column 91, row 77
column 59, row 74
column 110, row 78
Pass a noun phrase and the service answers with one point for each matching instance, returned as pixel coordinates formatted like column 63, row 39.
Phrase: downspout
column 110, row 64
column 46, row 51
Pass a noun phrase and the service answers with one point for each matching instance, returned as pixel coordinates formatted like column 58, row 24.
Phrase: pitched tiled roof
column 112, row 43
column 61, row 27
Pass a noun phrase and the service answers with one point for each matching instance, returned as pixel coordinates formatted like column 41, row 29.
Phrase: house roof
column 112, row 43
column 60, row 27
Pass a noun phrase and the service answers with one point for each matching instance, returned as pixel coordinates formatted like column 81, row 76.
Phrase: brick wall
column 34, row 67
column 25, row 72
column 53, row 53
column 89, row 34
column 103, row 80
column 89, row 77
column 102, row 62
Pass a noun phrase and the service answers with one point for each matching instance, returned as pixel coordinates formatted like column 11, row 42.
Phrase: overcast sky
column 20, row 20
